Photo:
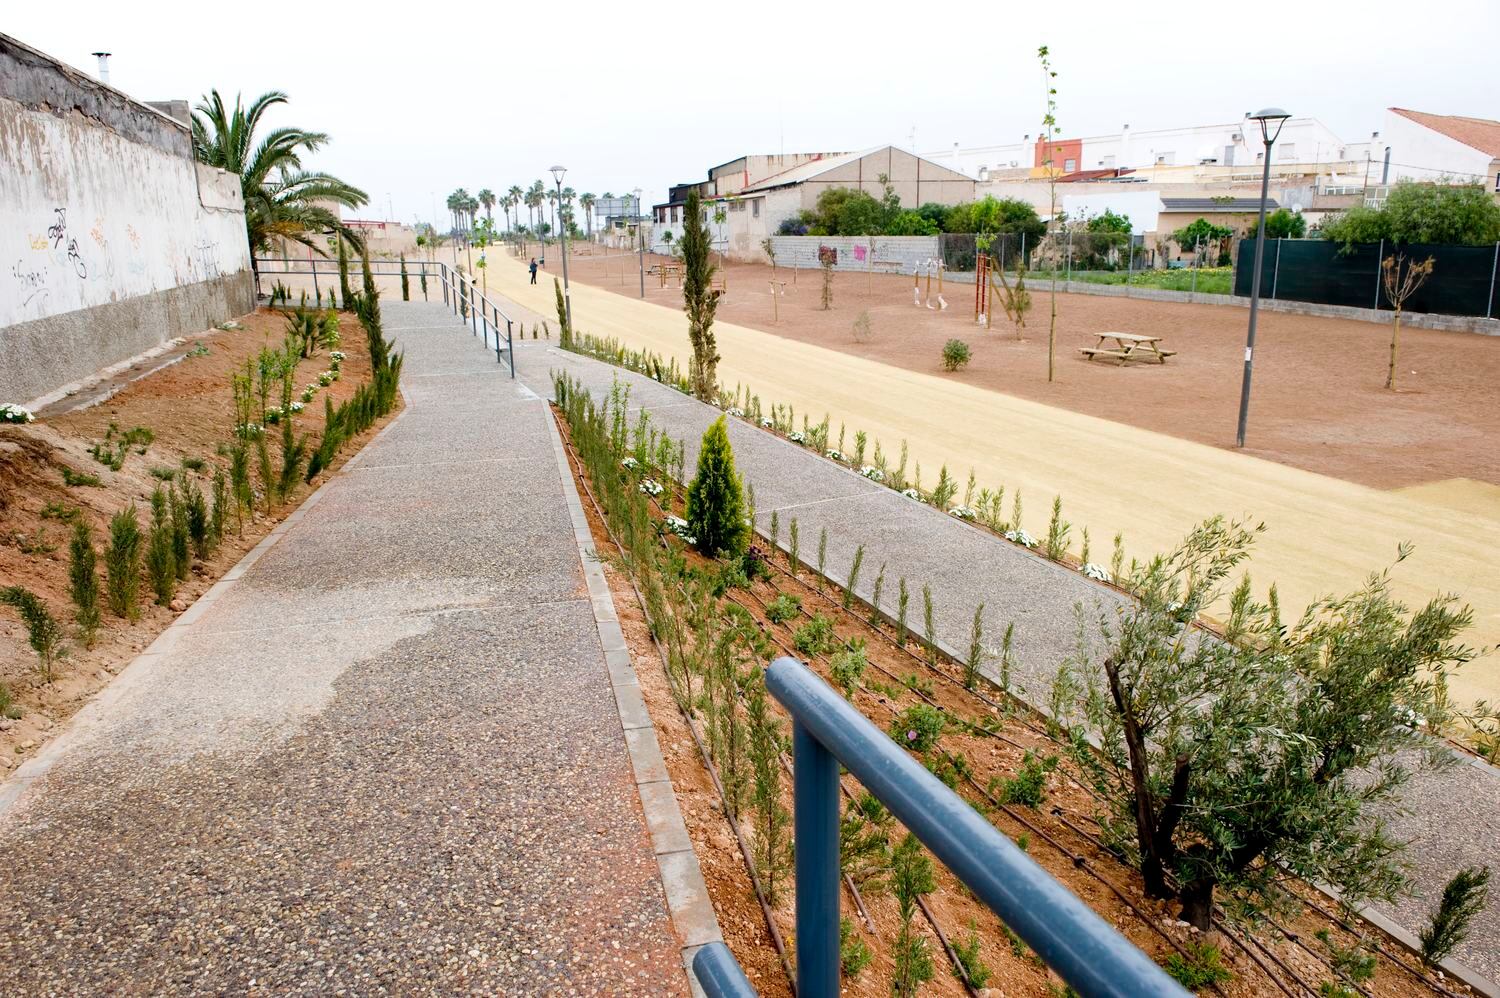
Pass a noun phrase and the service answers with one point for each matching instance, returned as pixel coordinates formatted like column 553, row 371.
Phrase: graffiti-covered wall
column 114, row 239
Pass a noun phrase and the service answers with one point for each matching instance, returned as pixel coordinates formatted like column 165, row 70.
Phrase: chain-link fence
column 1463, row 280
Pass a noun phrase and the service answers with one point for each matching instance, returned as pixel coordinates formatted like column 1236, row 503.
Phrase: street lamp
column 557, row 175
column 640, row 237
column 1270, row 118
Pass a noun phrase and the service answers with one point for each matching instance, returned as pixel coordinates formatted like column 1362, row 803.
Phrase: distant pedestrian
column 533, row 270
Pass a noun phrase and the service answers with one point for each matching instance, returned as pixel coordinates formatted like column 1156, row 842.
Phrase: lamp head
column 557, row 173
column 1271, row 119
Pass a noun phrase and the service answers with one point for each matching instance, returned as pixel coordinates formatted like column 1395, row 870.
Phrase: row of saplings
column 185, row 523
column 1224, row 767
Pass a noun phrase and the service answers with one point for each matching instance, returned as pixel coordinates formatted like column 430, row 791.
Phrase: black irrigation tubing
column 745, row 852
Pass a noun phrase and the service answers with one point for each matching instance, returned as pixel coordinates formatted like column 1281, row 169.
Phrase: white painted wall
column 92, row 218
column 1419, row 153
column 1141, row 207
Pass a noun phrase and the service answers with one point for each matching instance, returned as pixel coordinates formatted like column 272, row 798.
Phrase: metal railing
column 460, row 293
column 1090, row 955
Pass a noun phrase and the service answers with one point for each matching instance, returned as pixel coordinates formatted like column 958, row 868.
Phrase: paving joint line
column 682, row 881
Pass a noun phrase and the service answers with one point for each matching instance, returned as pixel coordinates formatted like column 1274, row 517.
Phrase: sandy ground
column 1325, row 534
column 1319, row 401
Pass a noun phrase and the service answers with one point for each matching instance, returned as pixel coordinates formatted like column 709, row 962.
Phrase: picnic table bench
column 1127, row 347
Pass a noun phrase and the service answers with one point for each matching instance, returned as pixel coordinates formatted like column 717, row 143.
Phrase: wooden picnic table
column 1128, row 347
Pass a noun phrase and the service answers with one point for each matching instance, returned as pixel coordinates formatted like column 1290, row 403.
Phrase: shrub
column 854, row 955
column 161, row 563
column 715, row 503
column 42, row 630
column 122, row 562
column 8, row 708
column 816, row 637
column 1029, row 785
column 848, row 668
column 918, row 727
column 967, row 951
column 955, row 355
column 1202, row 968
column 783, row 608
column 911, row 876
column 78, row 478
column 1462, row 900
column 83, row 580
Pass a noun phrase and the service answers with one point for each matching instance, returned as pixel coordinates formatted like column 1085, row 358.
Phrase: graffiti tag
column 33, row 282
column 58, row 233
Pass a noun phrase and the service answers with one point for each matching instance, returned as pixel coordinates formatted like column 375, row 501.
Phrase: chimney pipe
column 103, row 58
column 1385, row 168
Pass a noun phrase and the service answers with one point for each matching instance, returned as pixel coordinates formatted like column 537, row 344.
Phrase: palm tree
column 487, row 198
column 517, row 198
column 586, row 201
column 536, row 196
column 281, row 198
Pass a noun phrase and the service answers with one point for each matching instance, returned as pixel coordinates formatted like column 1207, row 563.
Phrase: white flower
column 912, row 494
column 873, row 473
column 12, row 413
column 678, row 526
column 1094, row 571
column 962, row 512
column 836, row 455
column 766, row 422
column 629, row 463
column 1020, row 537
column 735, row 410
column 651, row 487
column 796, row 436
column 325, row 378
column 309, row 392
column 295, row 407
column 337, row 355
column 273, row 414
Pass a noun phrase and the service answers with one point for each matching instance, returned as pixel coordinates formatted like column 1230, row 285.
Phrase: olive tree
column 1222, row 761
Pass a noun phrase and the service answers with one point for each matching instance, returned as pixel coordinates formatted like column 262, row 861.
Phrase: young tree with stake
column 1400, row 278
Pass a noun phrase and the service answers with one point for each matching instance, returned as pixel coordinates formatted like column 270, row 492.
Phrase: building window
column 1069, row 165
column 1108, row 162
column 1497, row 182
column 1288, row 151
column 675, row 216
column 1166, row 158
column 755, row 208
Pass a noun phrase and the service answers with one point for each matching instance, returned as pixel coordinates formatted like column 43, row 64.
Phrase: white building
column 1435, row 147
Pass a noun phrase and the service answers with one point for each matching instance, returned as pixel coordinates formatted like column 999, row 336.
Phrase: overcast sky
column 423, row 98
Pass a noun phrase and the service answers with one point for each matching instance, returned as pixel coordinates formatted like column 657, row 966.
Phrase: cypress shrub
column 83, row 580
column 715, row 503
column 122, row 562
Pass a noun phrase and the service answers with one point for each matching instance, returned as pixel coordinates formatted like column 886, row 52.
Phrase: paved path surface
column 1456, row 811
column 385, row 759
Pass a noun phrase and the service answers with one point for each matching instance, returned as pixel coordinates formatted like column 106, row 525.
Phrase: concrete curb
column 687, row 897
column 92, row 713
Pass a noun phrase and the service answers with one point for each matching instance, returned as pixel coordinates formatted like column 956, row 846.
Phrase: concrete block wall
column 854, row 252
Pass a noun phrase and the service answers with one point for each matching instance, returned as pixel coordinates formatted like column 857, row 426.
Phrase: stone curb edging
column 139, row 667
column 687, row 897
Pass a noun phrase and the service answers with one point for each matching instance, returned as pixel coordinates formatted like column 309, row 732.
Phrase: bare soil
column 1060, row 834
column 1318, row 401
column 188, row 406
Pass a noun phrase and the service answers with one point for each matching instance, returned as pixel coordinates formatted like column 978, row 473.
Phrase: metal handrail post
column 719, row 973
column 1085, row 950
column 816, row 819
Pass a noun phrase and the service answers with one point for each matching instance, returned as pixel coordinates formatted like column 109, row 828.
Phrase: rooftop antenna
column 103, row 58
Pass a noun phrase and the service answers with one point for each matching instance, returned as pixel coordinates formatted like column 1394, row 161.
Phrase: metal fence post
column 1197, row 260
column 816, row 820
column 1276, row 268
column 1489, row 303
column 1379, row 262
column 1070, row 257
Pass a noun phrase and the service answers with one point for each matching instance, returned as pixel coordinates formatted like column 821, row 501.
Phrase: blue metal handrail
column 461, row 287
column 1085, row 950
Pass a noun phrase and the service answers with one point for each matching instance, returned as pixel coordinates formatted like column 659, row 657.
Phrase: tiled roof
column 1476, row 133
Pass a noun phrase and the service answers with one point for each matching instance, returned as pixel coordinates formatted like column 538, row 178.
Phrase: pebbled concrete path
column 1453, row 814
column 385, row 757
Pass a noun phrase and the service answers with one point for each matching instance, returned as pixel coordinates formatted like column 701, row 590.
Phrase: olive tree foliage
column 1223, row 761
column 699, row 299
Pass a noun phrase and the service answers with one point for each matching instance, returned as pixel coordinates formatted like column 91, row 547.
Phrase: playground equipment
column 929, row 266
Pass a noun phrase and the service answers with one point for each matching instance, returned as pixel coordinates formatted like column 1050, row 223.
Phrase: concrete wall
column 115, row 240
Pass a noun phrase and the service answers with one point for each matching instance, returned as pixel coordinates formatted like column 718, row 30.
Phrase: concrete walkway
column 1454, row 812
column 385, row 756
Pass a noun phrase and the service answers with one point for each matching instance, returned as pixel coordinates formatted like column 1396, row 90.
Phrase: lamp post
column 557, row 175
column 1269, row 118
column 640, row 238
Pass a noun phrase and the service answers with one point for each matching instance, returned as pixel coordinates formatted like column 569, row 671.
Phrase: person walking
column 533, row 270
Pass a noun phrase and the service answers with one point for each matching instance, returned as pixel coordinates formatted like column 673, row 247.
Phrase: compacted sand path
column 384, row 757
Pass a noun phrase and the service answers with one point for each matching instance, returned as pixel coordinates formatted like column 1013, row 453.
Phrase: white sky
column 423, row 98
